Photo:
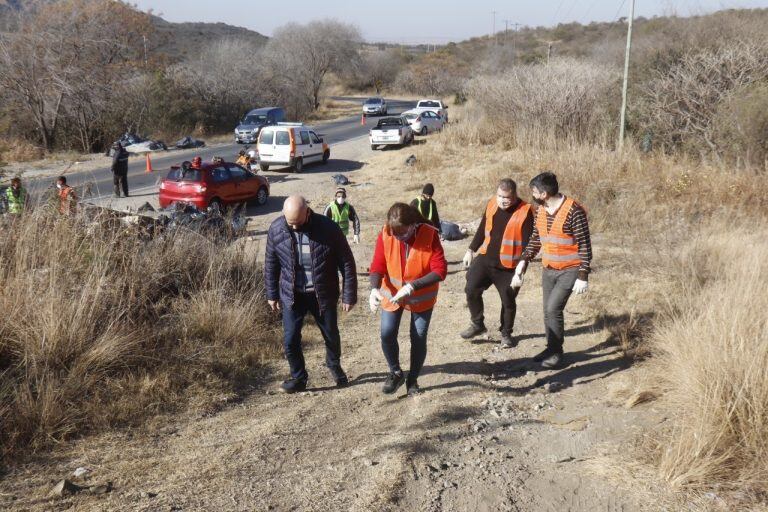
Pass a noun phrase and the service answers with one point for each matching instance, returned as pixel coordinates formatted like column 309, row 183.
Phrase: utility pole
column 623, row 120
column 493, row 30
column 145, row 50
column 549, row 51
column 506, row 28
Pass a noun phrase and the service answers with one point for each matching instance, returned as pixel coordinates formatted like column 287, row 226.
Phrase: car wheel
column 261, row 196
column 326, row 157
column 423, row 130
column 264, row 167
column 373, row 147
column 298, row 165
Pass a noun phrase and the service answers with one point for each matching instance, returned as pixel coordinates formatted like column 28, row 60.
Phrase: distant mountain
column 177, row 40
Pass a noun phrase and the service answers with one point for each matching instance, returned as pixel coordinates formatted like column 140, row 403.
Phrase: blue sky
column 433, row 21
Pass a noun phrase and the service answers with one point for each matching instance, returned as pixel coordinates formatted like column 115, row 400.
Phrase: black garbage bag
column 451, row 231
column 340, row 179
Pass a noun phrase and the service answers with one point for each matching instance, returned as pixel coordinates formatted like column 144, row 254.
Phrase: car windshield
column 255, row 119
column 178, row 174
column 389, row 121
column 429, row 104
column 373, row 101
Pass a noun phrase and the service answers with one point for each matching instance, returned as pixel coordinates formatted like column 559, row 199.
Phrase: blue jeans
column 390, row 325
column 293, row 321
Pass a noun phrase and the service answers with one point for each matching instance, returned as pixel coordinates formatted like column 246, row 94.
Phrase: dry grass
column 101, row 329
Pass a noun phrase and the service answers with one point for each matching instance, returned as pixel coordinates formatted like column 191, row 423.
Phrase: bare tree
column 307, row 53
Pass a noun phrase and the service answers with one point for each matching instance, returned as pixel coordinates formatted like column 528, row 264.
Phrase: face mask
column 340, row 200
column 58, row 186
column 503, row 203
column 408, row 234
column 538, row 201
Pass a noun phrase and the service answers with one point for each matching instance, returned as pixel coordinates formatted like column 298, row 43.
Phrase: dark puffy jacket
column 330, row 254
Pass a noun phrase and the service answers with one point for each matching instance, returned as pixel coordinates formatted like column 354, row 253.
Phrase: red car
column 221, row 183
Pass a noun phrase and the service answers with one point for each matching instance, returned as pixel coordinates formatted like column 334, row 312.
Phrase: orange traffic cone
column 149, row 165
column 362, row 120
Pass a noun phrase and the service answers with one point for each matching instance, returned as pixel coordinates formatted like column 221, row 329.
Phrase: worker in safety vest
column 67, row 196
column 243, row 159
column 499, row 242
column 427, row 206
column 342, row 213
column 16, row 197
column 561, row 232
column 408, row 265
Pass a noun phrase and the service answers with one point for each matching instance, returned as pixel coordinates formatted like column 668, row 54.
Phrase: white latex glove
column 580, row 286
column 375, row 299
column 402, row 293
column 468, row 257
column 517, row 279
column 356, row 239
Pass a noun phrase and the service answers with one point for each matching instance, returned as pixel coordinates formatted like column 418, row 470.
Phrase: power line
column 557, row 11
column 616, row 16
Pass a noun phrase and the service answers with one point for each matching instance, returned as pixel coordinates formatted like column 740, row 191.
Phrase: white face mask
column 58, row 186
column 340, row 200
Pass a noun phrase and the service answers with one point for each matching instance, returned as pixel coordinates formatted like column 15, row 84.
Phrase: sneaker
column 394, row 381
column 342, row 382
column 293, row 386
column 553, row 361
column 543, row 355
column 412, row 388
column 507, row 341
column 472, row 331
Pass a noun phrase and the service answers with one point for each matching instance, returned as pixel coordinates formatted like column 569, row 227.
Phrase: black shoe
column 472, row 331
column 553, row 361
column 412, row 388
column 342, row 382
column 507, row 341
column 293, row 386
column 543, row 355
column 394, row 381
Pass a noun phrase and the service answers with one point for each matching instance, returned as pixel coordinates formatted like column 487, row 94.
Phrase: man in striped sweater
column 561, row 233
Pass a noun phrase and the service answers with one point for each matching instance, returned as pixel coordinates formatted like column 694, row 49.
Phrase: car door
column 242, row 186
column 432, row 121
column 281, row 149
column 222, row 184
column 316, row 147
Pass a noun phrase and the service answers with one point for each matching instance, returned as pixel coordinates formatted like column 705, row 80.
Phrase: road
column 100, row 180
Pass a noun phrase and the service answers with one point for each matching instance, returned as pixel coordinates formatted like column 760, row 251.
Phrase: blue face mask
column 408, row 234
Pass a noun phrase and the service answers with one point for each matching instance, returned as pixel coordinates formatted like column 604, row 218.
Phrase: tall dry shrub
column 567, row 100
column 101, row 328
column 712, row 354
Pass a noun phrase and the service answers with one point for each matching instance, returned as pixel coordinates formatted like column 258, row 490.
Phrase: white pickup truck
column 434, row 106
column 391, row 131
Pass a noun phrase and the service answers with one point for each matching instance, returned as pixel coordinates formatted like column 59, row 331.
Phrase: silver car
column 375, row 107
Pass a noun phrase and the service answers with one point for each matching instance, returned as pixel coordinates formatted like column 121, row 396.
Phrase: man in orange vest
column 67, row 196
column 561, row 232
column 408, row 265
column 500, row 239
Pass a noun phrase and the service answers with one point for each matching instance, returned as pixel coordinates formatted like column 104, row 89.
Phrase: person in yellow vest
column 342, row 213
column 504, row 230
column 561, row 232
column 16, row 197
column 427, row 206
column 408, row 265
column 67, row 196
column 243, row 159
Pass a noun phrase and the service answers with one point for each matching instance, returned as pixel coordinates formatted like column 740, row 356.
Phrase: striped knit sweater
column 575, row 225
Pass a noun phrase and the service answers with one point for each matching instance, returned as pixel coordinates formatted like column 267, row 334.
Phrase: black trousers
column 480, row 276
column 120, row 181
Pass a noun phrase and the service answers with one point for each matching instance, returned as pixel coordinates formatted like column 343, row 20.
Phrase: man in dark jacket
column 120, row 169
column 428, row 207
column 305, row 253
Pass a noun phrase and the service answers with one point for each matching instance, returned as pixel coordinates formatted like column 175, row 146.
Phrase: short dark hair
column 15, row 181
column 402, row 215
column 62, row 179
column 508, row 185
column 546, row 182
column 429, row 189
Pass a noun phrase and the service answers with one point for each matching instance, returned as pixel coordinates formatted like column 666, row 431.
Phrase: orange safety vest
column 67, row 200
column 512, row 242
column 416, row 266
column 558, row 249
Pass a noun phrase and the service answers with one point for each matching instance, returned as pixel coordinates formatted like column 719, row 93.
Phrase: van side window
column 315, row 138
column 280, row 115
column 304, row 137
column 267, row 137
column 282, row 138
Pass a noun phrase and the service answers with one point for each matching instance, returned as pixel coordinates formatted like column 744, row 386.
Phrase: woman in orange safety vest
column 408, row 265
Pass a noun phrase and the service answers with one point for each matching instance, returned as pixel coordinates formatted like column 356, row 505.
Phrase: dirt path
column 490, row 432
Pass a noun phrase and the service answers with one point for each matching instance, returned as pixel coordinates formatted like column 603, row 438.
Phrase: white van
column 290, row 144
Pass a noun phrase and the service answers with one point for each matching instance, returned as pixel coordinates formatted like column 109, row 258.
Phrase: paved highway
column 101, row 179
